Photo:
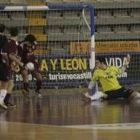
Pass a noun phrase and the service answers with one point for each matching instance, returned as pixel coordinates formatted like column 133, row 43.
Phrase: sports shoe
column 85, row 97
column 26, row 93
column 39, row 95
column 10, row 105
column 2, row 104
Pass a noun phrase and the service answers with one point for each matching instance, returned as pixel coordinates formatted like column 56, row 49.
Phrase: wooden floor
column 65, row 117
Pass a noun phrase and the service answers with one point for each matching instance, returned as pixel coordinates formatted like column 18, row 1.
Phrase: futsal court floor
column 61, row 115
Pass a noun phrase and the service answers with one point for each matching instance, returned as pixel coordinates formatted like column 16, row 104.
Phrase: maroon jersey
column 13, row 47
column 27, row 52
column 3, row 46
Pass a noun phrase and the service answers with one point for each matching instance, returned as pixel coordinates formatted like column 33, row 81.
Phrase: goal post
column 66, row 41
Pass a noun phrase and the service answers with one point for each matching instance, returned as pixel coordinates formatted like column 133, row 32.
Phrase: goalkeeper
column 107, row 76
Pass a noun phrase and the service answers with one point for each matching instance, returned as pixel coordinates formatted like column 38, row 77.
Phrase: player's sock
column 7, row 98
column 137, row 95
column 98, row 95
column 26, row 86
column 38, row 85
column 3, row 93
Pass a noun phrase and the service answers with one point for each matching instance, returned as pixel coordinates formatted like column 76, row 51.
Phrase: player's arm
column 126, row 65
column 5, row 50
column 93, row 81
column 15, row 59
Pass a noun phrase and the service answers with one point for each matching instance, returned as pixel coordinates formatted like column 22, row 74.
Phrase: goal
column 66, row 42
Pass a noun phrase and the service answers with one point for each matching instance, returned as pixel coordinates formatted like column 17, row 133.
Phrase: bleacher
column 114, row 20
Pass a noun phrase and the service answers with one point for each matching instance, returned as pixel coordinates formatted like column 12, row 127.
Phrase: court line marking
column 120, row 126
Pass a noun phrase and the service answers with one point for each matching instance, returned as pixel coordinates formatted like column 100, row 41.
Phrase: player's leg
column 4, row 84
column 25, row 90
column 135, row 95
column 38, row 77
column 3, row 93
column 8, row 96
column 128, row 93
column 96, row 96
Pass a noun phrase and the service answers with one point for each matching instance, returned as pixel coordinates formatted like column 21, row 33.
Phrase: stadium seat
column 37, row 22
column 135, row 28
column 135, row 12
column 54, row 1
column 4, row 2
column 71, row 1
column 121, row 13
column 15, row 2
column 121, row 29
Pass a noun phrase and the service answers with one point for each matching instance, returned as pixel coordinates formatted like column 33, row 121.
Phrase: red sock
column 26, row 86
column 38, row 85
column 7, row 98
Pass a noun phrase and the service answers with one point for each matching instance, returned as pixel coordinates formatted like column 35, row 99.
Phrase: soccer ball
column 29, row 66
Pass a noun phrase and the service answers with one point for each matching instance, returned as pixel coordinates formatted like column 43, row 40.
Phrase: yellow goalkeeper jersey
column 108, row 78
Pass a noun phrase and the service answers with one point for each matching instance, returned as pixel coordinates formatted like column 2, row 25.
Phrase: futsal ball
column 29, row 66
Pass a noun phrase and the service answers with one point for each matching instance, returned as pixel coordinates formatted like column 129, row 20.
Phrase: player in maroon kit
column 26, row 52
column 4, row 77
column 14, row 62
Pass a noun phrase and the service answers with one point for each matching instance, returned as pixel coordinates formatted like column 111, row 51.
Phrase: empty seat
column 53, row 22
column 6, row 22
column 72, row 14
column 36, row 1
column 121, row 29
column 121, row 13
column 135, row 12
column 19, row 22
column 3, row 15
column 4, row 1
column 57, row 14
column 37, row 22
column 68, row 37
column 104, row 0
column 55, row 29
column 41, row 37
column 19, row 2
column 122, row 0
column 17, row 15
column 87, row 1
column 21, row 36
column 104, row 29
column 118, row 36
column 54, row 1
column 104, row 13
column 71, row 1
column 135, row 28
column 58, row 47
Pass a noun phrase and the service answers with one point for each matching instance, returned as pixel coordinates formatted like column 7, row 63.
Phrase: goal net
column 65, row 37
column 117, row 35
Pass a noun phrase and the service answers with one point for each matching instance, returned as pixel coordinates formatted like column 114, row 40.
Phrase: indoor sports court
column 62, row 115
column 69, row 35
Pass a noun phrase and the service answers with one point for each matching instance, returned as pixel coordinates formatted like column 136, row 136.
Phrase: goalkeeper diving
column 107, row 76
